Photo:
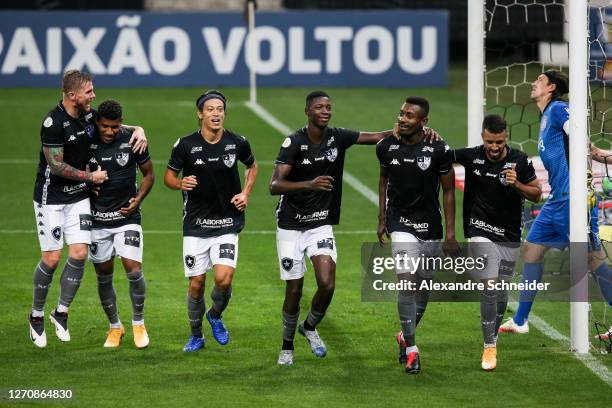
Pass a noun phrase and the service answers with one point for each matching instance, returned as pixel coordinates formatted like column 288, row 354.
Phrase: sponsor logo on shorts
column 93, row 247
column 326, row 243
column 190, row 261
column 132, row 238
column 56, row 232
column 85, row 222
column 506, row 267
column 227, row 251
column 287, row 264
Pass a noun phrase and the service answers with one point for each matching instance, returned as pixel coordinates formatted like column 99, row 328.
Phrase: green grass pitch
column 361, row 367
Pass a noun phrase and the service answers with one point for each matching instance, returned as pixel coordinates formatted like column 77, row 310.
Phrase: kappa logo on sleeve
column 227, row 251
column 132, row 238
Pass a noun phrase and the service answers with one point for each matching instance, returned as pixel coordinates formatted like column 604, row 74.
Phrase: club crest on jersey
column 190, row 261
column 332, row 154
column 287, row 264
column 57, row 233
column 423, row 162
column 502, row 179
column 93, row 247
column 229, row 159
column 122, row 158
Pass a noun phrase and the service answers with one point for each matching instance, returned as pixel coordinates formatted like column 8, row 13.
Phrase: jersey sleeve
column 177, row 157
column 445, row 158
column 245, row 155
column 288, row 152
column 347, row 137
column 143, row 157
column 52, row 133
column 559, row 115
column 462, row 156
column 380, row 153
column 525, row 171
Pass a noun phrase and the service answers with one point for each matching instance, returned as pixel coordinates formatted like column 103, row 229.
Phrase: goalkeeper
column 551, row 227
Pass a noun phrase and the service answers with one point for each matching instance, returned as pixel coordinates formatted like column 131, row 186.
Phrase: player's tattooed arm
column 241, row 199
column 55, row 159
column 138, row 140
column 383, row 181
column 280, row 185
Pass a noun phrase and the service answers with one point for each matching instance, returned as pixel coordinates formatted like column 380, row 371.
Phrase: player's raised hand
column 510, row 176
column 98, row 176
column 188, row 183
column 322, row 183
column 431, row 135
column 240, row 201
column 382, row 232
column 138, row 140
column 132, row 206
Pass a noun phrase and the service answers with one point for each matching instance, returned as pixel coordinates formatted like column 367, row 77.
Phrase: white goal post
column 577, row 13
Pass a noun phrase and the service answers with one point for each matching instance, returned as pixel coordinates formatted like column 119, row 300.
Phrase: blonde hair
column 74, row 79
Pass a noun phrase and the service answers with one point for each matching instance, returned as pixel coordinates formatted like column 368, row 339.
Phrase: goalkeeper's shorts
column 551, row 226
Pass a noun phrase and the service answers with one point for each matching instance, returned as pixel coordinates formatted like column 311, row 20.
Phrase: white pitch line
column 156, row 162
column 178, row 232
column 587, row 359
column 284, row 130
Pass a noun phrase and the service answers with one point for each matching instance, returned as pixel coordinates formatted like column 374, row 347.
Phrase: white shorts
column 292, row 245
column 125, row 241
column 201, row 254
column 71, row 222
column 500, row 259
column 405, row 242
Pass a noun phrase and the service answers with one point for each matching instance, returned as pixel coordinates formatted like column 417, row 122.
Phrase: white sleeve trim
column 566, row 127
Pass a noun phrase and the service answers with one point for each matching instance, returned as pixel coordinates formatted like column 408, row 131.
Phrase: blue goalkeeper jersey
column 553, row 146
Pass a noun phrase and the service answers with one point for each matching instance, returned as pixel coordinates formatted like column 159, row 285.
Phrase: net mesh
column 527, row 37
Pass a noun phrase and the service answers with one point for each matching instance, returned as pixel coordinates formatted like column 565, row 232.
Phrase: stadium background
column 361, row 367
